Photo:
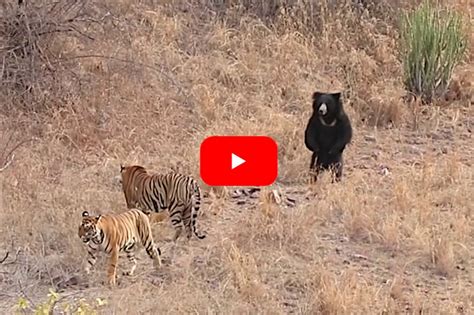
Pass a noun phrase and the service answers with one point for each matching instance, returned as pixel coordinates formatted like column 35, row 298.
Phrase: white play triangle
column 236, row 161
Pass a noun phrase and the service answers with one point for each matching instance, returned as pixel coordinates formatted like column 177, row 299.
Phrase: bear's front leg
column 337, row 169
column 314, row 169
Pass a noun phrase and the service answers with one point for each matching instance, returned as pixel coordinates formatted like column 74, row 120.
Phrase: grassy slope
column 395, row 243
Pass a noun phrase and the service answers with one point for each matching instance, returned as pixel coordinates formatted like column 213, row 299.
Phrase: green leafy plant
column 47, row 307
column 79, row 308
column 433, row 43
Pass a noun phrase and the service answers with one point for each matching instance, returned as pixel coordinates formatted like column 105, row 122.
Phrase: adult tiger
column 114, row 233
column 179, row 194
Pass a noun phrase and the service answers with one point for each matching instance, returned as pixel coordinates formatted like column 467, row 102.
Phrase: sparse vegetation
column 80, row 307
column 433, row 42
column 35, row 76
column 145, row 82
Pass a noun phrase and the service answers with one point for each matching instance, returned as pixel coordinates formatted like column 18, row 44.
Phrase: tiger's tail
column 195, row 209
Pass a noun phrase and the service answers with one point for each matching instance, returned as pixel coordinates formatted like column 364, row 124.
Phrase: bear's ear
column 336, row 96
column 317, row 95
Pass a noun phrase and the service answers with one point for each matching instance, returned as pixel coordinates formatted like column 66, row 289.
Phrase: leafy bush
column 433, row 43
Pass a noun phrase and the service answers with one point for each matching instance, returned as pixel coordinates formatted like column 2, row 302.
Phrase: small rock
column 359, row 257
column 415, row 150
column 370, row 138
column 290, row 202
column 344, row 239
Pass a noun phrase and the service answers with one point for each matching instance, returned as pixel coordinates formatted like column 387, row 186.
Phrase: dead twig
column 7, row 164
column 14, row 260
column 22, row 291
column 8, row 158
column 4, row 258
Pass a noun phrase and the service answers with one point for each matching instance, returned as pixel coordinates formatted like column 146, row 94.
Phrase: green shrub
column 433, row 43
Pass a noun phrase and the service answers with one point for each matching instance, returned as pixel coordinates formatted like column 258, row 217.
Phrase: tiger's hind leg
column 146, row 238
column 187, row 221
column 191, row 214
column 177, row 220
column 155, row 253
column 133, row 260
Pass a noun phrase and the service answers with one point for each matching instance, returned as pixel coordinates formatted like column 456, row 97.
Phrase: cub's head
column 328, row 106
column 88, row 229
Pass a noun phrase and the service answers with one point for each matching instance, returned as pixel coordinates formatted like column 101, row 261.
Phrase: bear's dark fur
column 327, row 133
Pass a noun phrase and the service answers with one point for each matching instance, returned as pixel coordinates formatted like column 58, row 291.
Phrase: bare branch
column 7, row 164
column 6, row 145
column 10, row 155
column 22, row 291
column 18, row 251
column 4, row 258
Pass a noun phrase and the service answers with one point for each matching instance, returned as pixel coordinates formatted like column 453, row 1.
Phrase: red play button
column 239, row 161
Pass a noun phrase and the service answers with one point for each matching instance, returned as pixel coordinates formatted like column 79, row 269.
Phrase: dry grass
column 395, row 236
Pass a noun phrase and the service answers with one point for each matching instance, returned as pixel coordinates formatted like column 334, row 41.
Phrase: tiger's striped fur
column 179, row 194
column 114, row 233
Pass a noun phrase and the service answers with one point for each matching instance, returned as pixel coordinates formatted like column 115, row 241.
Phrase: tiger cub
column 114, row 233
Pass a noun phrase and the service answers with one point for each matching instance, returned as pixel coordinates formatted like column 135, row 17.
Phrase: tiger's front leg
column 112, row 270
column 91, row 259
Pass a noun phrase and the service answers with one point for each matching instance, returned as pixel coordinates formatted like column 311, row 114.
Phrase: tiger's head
column 130, row 183
column 88, row 229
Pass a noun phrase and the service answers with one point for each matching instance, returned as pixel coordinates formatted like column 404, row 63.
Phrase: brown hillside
column 87, row 86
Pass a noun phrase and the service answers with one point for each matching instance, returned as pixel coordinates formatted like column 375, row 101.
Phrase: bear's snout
column 323, row 109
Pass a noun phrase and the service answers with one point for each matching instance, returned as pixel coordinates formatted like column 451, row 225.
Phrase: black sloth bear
column 327, row 133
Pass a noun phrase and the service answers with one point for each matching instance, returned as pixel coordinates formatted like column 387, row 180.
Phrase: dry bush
column 307, row 15
column 35, row 71
column 355, row 42
column 245, row 273
column 342, row 294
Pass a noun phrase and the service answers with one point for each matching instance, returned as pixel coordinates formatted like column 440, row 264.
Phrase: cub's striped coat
column 114, row 233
